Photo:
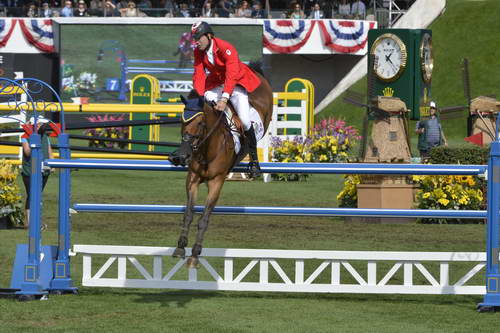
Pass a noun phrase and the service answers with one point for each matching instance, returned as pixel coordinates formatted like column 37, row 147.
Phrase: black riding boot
column 253, row 166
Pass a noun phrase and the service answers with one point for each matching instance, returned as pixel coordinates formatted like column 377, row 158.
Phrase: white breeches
column 239, row 98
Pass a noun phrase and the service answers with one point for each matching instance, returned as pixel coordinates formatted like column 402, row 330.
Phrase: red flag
column 476, row 139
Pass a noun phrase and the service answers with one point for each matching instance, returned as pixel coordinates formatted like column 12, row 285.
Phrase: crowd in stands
column 298, row 9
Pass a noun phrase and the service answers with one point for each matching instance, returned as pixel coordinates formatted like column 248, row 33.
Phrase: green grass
column 114, row 310
column 467, row 29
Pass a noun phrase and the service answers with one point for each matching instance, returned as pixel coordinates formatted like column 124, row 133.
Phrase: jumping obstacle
column 329, row 276
column 18, row 118
column 36, row 275
column 155, row 70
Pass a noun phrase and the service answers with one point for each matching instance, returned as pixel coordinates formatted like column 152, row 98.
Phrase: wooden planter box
column 392, row 192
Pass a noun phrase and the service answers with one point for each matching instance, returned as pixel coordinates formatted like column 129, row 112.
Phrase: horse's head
column 193, row 128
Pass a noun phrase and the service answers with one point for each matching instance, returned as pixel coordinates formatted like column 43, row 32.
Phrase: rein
column 195, row 149
column 205, row 138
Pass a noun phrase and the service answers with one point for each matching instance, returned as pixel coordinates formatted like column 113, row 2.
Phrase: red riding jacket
column 226, row 70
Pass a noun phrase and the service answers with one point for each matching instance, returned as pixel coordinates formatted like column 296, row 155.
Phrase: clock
column 389, row 57
column 426, row 59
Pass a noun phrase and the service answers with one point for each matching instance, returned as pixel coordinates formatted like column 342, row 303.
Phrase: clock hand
column 393, row 66
column 388, row 57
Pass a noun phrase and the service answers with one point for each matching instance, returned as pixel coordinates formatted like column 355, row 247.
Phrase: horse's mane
column 256, row 65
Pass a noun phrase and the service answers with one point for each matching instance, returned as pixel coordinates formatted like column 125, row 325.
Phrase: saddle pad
column 258, row 127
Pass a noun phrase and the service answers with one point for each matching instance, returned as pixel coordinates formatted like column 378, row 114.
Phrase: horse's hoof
column 179, row 253
column 193, row 262
column 253, row 170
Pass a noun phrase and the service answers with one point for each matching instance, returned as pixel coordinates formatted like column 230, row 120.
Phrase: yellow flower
column 426, row 195
column 443, row 201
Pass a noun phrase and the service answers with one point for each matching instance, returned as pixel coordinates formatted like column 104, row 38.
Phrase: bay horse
column 208, row 149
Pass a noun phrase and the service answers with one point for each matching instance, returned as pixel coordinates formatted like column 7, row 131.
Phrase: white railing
column 285, row 270
column 176, row 86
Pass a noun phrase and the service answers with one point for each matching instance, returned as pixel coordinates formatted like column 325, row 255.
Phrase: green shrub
column 465, row 154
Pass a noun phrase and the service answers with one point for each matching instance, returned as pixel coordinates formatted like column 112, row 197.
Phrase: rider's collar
column 210, row 52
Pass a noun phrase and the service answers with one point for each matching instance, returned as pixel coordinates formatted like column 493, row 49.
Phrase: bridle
column 196, row 141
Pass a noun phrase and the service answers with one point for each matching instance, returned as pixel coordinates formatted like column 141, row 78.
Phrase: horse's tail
column 256, row 65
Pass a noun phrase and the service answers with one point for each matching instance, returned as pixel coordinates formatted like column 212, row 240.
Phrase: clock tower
column 401, row 65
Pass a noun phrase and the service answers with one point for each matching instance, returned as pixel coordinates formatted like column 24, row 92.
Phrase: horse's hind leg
column 192, row 185
column 214, row 188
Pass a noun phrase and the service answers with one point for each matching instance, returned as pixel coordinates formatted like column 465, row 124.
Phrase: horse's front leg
column 192, row 185
column 214, row 188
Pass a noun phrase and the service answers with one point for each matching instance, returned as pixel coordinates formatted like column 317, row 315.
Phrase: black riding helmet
column 201, row 28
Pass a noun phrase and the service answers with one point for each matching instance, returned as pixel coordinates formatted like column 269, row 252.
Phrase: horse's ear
column 183, row 100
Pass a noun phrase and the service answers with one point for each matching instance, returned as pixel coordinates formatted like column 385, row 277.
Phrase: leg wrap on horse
column 182, row 243
column 253, row 166
column 196, row 250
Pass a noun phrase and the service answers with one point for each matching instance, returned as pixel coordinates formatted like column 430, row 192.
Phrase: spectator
column 122, row 4
column 208, row 9
column 171, row 7
column 144, row 4
column 95, row 6
column 327, row 7
column 81, row 10
column 308, row 6
column 131, row 11
column 184, row 10
column 32, row 11
column 110, row 10
column 316, row 12
column 67, row 11
column 358, row 10
column 194, row 8
column 3, row 10
column 344, row 9
column 244, row 10
column 224, row 8
column 297, row 12
column 26, row 166
column 258, row 11
column 430, row 133
column 46, row 11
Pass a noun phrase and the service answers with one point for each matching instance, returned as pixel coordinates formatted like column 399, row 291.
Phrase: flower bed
column 449, row 192
column 329, row 141
column 111, row 132
column 10, row 197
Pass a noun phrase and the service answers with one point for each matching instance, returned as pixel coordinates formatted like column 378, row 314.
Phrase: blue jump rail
column 282, row 211
column 310, row 168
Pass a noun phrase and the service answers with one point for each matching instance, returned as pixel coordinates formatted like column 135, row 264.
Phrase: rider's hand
column 221, row 104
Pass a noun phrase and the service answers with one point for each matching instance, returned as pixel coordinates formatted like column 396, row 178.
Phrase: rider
column 229, row 79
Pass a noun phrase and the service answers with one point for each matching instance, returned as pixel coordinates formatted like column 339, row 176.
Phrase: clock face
column 426, row 59
column 389, row 57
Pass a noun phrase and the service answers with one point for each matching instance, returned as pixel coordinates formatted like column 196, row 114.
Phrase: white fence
column 176, row 86
column 285, row 270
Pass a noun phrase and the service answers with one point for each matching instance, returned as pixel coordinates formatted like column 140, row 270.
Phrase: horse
column 208, row 149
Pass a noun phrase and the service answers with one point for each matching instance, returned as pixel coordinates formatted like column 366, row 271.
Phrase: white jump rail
column 337, row 266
